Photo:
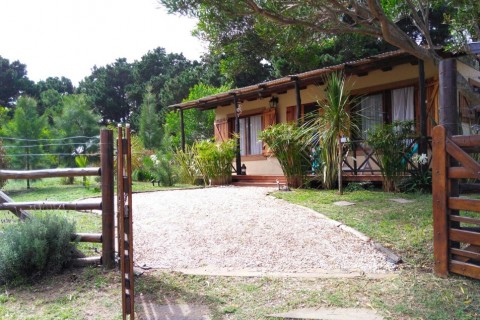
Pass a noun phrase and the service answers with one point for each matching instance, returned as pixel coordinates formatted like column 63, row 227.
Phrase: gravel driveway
column 242, row 228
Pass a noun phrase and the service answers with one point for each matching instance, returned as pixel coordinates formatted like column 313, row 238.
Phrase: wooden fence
column 456, row 219
column 106, row 205
column 125, row 221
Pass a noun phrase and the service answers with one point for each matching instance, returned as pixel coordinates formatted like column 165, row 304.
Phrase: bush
column 32, row 248
column 142, row 174
column 289, row 144
column 389, row 144
column 214, row 160
column 186, row 164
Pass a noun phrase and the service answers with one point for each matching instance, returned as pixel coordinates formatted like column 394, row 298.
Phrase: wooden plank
column 87, row 261
column 465, row 219
column 469, row 188
column 466, row 141
column 39, row 205
column 108, row 215
column 21, row 214
column 464, row 158
column 471, row 252
column 465, row 236
column 49, row 173
column 87, row 237
column 465, row 269
column 462, row 173
column 439, row 197
column 463, row 204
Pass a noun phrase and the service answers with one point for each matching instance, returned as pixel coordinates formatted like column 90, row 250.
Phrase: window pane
column 255, row 129
column 371, row 111
column 403, row 104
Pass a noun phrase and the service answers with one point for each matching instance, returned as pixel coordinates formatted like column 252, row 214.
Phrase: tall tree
column 198, row 125
column 150, row 126
column 61, row 85
column 109, row 87
column 76, row 117
column 13, row 81
column 23, row 132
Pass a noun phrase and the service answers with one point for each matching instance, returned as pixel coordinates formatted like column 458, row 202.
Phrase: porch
column 360, row 164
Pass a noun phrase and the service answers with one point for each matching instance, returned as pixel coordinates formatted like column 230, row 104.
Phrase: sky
column 67, row 38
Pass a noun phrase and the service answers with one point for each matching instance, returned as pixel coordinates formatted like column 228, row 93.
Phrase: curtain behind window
column 243, row 144
column 371, row 110
column 403, row 104
column 255, row 129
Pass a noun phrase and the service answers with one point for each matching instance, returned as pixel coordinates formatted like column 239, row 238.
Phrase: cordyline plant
column 332, row 123
column 289, row 144
column 390, row 145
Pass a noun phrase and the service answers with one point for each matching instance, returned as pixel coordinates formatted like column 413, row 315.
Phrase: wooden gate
column 125, row 223
column 456, row 219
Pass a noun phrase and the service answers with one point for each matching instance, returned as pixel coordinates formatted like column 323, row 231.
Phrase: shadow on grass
column 161, row 295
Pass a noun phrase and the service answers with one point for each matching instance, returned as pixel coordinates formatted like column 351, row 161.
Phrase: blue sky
column 67, row 37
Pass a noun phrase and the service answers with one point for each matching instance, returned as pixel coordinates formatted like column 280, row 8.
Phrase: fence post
column 440, row 204
column 108, row 231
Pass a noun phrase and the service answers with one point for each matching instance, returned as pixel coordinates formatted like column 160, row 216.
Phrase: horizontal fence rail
column 39, row 205
column 49, row 173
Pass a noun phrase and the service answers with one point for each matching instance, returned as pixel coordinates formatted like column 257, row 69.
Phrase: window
column 250, row 127
column 386, row 106
column 371, row 112
column 403, row 104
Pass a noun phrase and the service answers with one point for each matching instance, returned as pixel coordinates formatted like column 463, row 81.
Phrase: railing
column 360, row 159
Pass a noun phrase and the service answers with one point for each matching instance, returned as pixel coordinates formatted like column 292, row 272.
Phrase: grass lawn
column 414, row 293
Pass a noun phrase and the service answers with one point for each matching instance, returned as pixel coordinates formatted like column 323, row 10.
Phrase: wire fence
column 21, row 153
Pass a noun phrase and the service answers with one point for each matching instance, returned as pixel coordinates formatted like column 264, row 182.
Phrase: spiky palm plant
column 332, row 123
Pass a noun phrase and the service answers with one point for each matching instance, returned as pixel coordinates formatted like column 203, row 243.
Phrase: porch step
column 258, row 180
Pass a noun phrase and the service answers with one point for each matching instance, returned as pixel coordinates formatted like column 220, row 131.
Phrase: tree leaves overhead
column 414, row 25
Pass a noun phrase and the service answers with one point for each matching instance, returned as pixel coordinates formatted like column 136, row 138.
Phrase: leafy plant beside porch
column 212, row 161
column 289, row 143
column 390, row 145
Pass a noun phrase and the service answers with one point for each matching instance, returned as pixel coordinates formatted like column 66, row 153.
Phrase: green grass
column 404, row 228
column 414, row 293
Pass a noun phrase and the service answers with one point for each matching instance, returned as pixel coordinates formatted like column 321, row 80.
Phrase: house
column 390, row 86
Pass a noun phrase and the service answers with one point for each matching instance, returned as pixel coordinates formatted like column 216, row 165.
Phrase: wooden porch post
column 237, row 133
column 422, row 148
column 448, row 112
column 298, row 98
column 182, row 129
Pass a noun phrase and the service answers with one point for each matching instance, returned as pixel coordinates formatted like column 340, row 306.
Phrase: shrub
column 289, row 144
column 142, row 174
column 185, row 160
column 35, row 247
column 389, row 144
column 214, row 160
column 420, row 179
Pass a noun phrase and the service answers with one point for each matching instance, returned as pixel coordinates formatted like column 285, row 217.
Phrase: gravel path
column 242, row 228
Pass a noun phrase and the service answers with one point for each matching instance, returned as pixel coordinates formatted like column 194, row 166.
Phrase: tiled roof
column 265, row 89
